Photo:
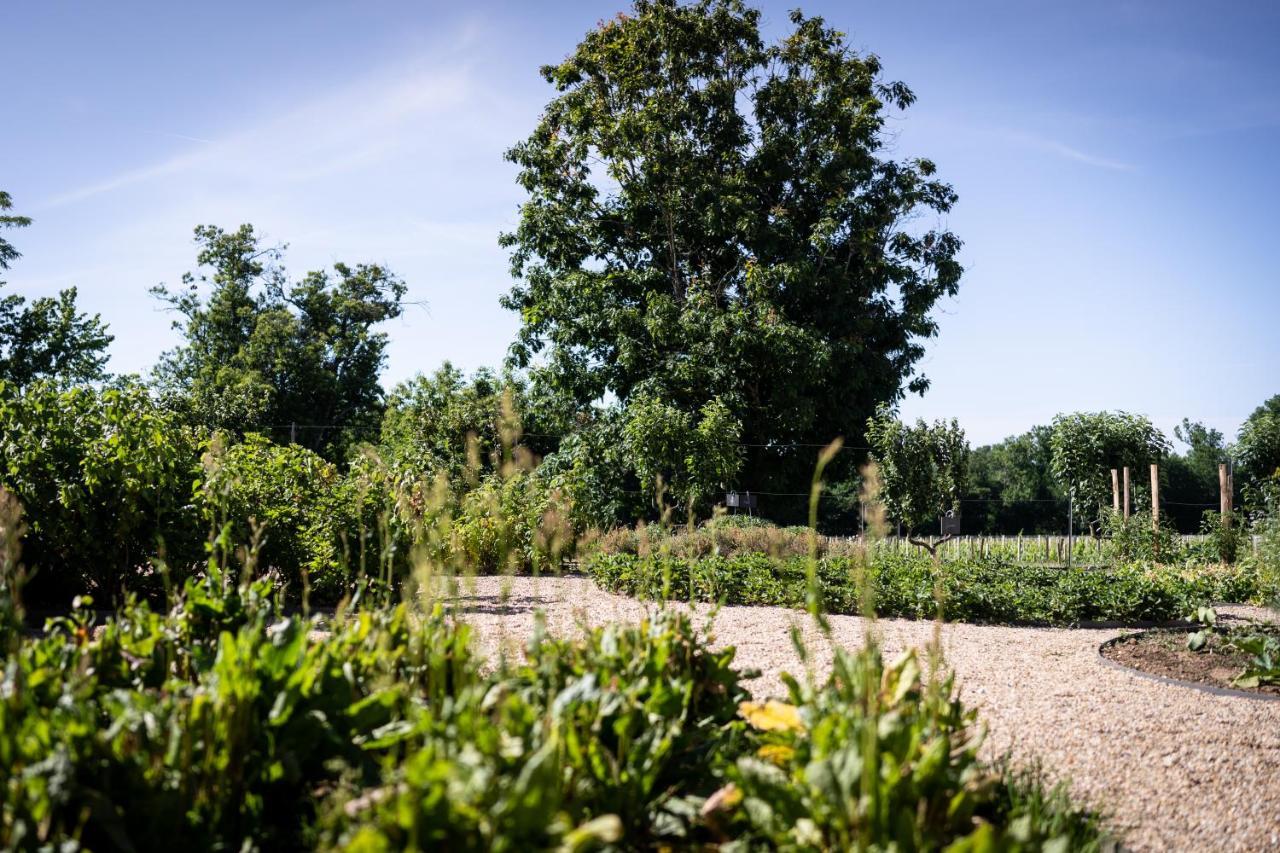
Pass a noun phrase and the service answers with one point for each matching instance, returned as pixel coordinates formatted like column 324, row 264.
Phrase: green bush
column 972, row 590
column 512, row 523
column 315, row 525
column 1134, row 538
column 105, row 477
column 604, row 738
column 216, row 724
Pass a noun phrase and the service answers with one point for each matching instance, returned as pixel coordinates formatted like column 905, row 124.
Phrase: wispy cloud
column 1052, row 146
column 331, row 133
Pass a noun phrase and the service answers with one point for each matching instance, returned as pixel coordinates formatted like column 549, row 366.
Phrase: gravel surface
column 1172, row 767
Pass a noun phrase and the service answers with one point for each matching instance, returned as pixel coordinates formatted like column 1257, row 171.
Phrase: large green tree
column 712, row 220
column 1189, row 481
column 261, row 352
column 47, row 338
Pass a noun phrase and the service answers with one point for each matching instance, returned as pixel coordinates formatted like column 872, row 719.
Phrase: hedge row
column 991, row 591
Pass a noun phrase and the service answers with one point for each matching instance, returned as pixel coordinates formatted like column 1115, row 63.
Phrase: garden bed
column 990, row 591
column 1218, row 665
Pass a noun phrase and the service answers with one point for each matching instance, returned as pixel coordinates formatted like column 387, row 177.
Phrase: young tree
column 710, row 217
column 48, row 338
column 431, row 419
column 1087, row 445
column 923, row 470
column 262, row 353
column 692, row 456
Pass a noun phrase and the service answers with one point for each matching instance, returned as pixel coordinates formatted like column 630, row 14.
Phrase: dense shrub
column 316, row 525
column 907, row 586
column 105, row 477
column 514, row 523
column 215, row 724
column 1267, row 561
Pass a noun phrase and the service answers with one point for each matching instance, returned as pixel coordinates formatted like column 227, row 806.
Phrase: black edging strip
column 1177, row 682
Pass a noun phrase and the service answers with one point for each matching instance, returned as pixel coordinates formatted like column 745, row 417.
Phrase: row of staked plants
column 1120, row 540
column 225, row 719
column 737, row 560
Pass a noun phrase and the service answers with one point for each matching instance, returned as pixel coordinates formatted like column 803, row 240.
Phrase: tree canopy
column 46, row 338
column 430, row 421
column 1257, row 450
column 261, row 352
column 1087, row 445
column 689, row 456
column 712, row 220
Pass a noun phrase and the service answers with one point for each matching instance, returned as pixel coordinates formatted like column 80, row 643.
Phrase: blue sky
column 1115, row 161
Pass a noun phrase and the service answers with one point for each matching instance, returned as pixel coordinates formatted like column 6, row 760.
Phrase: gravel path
column 1173, row 768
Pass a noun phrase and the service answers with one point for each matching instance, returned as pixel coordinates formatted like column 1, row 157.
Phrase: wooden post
column 1115, row 491
column 1126, row 493
column 1155, row 497
column 1224, row 494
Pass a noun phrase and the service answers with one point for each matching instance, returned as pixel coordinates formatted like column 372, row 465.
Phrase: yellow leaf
column 776, row 752
column 772, row 716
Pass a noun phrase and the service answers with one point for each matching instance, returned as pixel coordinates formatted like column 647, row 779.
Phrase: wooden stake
column 1155, row 497
column 1224, row 494
column 1115, row 491
column 1126, row 493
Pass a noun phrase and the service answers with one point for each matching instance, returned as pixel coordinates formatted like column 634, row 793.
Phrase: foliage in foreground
column 990, row 590
column 228, row 724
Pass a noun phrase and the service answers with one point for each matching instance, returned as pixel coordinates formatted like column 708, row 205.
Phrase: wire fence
column 1048, row 549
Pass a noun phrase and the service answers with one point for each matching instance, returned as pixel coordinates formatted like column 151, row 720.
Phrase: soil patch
column 1165, row 653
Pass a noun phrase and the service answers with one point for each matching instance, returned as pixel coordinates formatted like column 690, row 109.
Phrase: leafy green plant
column 1207, row 618
column 105, row 478
column 881, row 757
column 1264, row 665
column 283, row 490
column 1135, row 538
column 513, row 523
column 923, row 469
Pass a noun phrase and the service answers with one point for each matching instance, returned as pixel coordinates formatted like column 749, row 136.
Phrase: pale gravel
column 1171, row 767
